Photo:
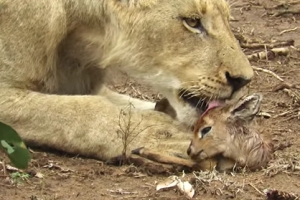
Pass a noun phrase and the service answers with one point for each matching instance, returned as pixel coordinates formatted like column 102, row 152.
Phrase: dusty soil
column 56, row 176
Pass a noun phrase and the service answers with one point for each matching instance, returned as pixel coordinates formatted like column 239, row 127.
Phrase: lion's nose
column 236, row 82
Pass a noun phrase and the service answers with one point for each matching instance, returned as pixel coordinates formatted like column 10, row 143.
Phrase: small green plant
column 12, row 144
column 19, row 177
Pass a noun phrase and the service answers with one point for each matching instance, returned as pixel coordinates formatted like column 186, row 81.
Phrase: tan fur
column 232, row 136
column 56, row 55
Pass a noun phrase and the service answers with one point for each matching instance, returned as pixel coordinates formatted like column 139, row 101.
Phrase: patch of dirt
column 55, row 176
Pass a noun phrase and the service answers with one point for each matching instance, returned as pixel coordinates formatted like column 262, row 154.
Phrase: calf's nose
column 189, row 150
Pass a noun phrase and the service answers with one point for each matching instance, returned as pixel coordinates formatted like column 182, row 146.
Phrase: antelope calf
column 228, row 132
column 224, row 136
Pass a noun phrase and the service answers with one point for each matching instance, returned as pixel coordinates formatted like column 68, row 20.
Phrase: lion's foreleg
column 85, row 125
column 122, row 100
column 88, row 125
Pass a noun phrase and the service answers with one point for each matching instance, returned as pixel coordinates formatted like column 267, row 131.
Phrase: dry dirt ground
column 55, row 176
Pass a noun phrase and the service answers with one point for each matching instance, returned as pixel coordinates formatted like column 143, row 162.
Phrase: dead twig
column 291, row 118
column 266, row 45
column 288, row 30
column 269, row 53
column 294, row 95
column 286, row 113
column 6, row 185
column 282, row 86
column 266, row 52
column 285, row 12
column 246, row 40
column 121, row 192
column 128, row 130
column 283, row 114
column 4, row 168
column 287, row 88
column 256, row 189
column 268, row 72
column 282, row 5
column 282, row 164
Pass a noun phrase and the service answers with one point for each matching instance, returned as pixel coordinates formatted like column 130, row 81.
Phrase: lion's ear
column 246, row 108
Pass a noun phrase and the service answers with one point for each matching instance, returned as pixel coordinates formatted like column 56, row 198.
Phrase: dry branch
column 266, row 45
column 284, row 12
column 288, row 30
column 282, row 5
column 128, row 131
column 294, row 95
column 256, row 189
column 269, row 53
column 283, row 114
column 246, row 40
column 268, row 72
column 4, row 168
column 282, row 86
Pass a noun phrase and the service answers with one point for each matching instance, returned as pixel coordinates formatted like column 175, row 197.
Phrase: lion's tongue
column 211, row 105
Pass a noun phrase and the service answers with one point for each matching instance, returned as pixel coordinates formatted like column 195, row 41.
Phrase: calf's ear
column 246, row 108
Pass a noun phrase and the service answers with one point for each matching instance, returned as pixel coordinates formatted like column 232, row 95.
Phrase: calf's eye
column 205, row 130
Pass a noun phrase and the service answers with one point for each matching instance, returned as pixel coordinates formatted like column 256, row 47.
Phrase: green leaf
column 14, row 147
column 9, row 148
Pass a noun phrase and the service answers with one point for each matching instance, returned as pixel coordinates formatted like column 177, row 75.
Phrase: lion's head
column 185, row 49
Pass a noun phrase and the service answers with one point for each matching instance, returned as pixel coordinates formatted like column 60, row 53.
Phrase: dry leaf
column 39, row 175
column 171, row 181
column 54, row 166
column 186, row 188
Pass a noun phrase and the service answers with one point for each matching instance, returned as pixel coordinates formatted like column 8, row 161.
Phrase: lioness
column 55, row 57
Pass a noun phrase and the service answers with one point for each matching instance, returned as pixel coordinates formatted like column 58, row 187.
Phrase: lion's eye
column 193, row 24
column 205, row 130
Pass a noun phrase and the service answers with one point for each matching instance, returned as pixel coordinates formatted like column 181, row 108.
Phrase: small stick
column 266, row 52
column 279, row 13
column 268, row 72
column 288, row 30
column 284, row 113
column 282, row 86
column 255, row 188
column 4, row 168
column 271, row 53
column 268, row 46
column 246, row 40
column 282, row 5
column 293, row 95
column 290, row 118
column 5, row 185
column 258, row 55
